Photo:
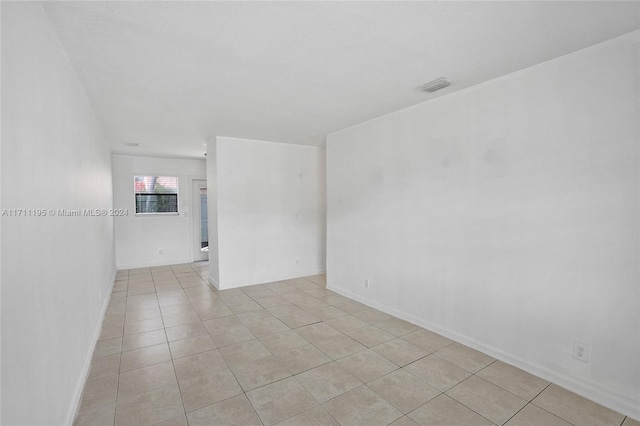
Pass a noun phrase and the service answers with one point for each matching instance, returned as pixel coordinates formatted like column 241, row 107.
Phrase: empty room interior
column 320, row 213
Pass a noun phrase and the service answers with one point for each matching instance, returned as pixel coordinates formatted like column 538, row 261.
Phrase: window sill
column 156, row 214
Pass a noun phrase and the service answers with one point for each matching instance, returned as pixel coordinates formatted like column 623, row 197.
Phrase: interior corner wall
column 212, row 211
column 140, row 240
column 57, row 270
column 271, row 211
column 506, row 216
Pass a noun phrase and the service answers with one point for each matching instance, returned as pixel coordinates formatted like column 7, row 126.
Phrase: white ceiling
column 171, row 75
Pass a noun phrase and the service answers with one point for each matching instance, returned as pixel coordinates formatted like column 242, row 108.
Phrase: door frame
column 194, row 218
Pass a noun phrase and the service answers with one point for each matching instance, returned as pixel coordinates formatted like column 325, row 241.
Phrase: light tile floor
column 175, row 352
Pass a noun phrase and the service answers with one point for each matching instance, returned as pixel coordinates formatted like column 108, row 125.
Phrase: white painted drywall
column 57, row 272
column 506, row 216
column 140, row 238
column 271, row 211
column 212, row 211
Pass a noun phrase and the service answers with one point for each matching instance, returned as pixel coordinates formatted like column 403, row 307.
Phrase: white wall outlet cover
column 581, row 351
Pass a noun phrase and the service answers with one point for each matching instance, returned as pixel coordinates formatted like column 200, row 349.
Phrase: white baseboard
column 593, row 392
column 77, row 394
column 213, row 284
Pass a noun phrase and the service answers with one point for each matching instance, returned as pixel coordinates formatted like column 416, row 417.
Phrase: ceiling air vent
column 134, row 144
column 435, row 85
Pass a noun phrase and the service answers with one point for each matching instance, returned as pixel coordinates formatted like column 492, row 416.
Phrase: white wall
column 271, row 211
column 139, row 238
column 212, row 211
column 506, row 216
column 57, row 272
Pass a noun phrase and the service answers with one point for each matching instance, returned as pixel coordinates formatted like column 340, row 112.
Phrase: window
column 156, row 194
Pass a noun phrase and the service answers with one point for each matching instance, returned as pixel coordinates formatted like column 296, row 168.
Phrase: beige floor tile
column 99, row 392
column 141, row 306
column 280, row 400
column 403, row 390
column 316, row 416
column 444, row 411
column 150, row 408
column 144, row 357
column 167, row 302
column 282, row 342
column 134, row 300
column 217, row 324
column 361, row 406
column 302, row 359
column 239, row 308
column 140, row 381
column 185, row 331
column 328, row 381
column 465, row 357
column 487, row 399
column 108, row 347
column 370, row 336
column 142, row 340
column 269, row 302
column 137, row 290
column 339, row 346
column 155, row 313
column 103, row 415
column 104, row 366
column 231, row 336
column 404, row 421
column 135, row 327
column 259, row 292
column 177, row 309
column 191, row 346
column 213, row 312
column 267, row 327
column 111, row 331
column 630, row 422
column 327, row 313
column 372, row 316
column 397, row 327
column 206, row 389
column 118, row 295
column 316, row 332
column 180, row 319
column 284, row 310
column 144, row 315
column 253, row 317
column 516, row 381
column 280, row 287
column 367, row 365
column 427, row 340
column 201, row 364
column 244, row 352
column 437, row 372
column 167, row 285
column 299, row 319
column 534, row 416
column 180, row 420
column 259, row 372
column 575, row 409
column 399, row 352
column 236, row 411
column 346, row 323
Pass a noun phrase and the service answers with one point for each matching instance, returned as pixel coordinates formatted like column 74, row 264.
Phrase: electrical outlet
column 297, row 261
column 366, row 283
column 160, row 252
column 581, row 351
